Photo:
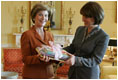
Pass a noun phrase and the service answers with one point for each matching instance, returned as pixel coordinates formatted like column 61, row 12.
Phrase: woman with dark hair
column 89, row 44
column 36, row 67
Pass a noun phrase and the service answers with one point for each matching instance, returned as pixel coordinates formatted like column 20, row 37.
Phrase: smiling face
column 88, row 21
column 41, row 18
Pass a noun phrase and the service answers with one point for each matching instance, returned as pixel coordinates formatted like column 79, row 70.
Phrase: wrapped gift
column 54, row 51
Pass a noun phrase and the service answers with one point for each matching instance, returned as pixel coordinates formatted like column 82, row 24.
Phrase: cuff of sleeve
column 78, row 61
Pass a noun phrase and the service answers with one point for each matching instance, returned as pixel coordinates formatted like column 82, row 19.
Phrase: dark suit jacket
column 89, row 51
column 33, row 67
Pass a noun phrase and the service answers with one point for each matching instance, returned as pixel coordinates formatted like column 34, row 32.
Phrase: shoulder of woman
column 50, row 36
column 80, row 28
column 48, row 33
column 103, row 33
column 26, row 33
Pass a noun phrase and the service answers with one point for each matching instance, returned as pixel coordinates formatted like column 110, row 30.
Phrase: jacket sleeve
column 26, row 50
column 71, row 48
column 97, row 56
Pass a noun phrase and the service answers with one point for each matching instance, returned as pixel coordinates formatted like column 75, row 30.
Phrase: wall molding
column 7, row 45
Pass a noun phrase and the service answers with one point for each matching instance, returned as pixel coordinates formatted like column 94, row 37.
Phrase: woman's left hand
column 71, row 60
column 44, row 58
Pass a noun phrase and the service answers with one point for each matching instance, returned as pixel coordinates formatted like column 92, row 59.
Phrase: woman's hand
column 71, row 60
column 44, row 58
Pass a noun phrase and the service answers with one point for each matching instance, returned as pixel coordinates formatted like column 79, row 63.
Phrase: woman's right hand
column 71, row 60
column 44, row 58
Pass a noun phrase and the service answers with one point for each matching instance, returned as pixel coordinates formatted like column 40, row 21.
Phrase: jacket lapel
column 37, row 36
column 94, row 31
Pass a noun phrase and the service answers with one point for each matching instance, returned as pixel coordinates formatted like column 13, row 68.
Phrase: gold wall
column 109, row 24
column 10, row 18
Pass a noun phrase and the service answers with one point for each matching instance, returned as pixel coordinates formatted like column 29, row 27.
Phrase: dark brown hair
column 93, row 10
column 36, row 8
